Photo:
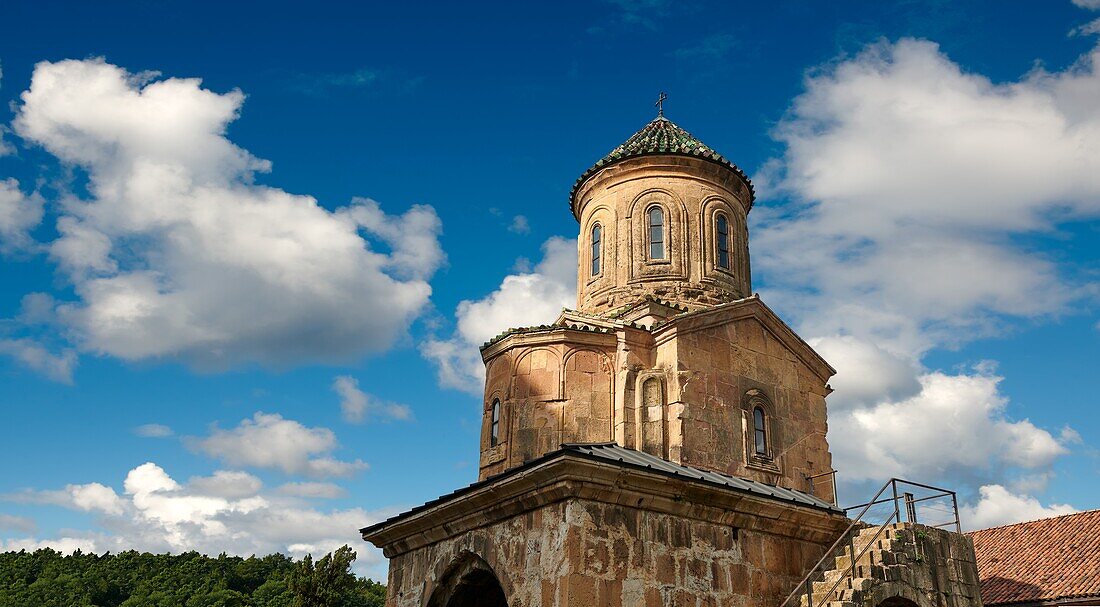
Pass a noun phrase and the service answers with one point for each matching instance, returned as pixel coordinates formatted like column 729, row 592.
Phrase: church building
column 664, row 443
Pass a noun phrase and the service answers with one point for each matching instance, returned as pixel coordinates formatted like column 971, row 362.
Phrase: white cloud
column 954, row 426
column 519, row 225
column 1092, row 27
column 178, row 253
column 358, row 406
column 1089, row 4
column 525, row 299
column 90, row 497
column 914, row 191
column 159, row 514
column 230, row 484
column 867, row 373
column 19, row 214
column 906, row 172
column 58, row 366
column 267, row 440
column 999, row 506
column 17, row 523
column 153, row 431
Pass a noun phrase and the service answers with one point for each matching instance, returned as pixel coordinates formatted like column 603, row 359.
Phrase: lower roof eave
column 568, row 474
column 1082, row 600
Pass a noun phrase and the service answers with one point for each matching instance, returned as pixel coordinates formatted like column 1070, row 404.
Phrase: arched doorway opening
column 469, row 582
column 897, row 601
column 478, row 589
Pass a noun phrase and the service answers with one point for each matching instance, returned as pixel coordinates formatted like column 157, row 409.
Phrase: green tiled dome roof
column 660, row 137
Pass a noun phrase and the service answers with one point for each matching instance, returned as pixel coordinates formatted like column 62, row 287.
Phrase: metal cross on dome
column 660, row 103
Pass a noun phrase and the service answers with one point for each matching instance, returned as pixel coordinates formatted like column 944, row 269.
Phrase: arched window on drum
column 655, row 220
column 597, row 237
column 494, row 423
column 722, row 240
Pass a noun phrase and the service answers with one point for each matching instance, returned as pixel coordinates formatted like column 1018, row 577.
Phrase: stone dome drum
column 662, row 215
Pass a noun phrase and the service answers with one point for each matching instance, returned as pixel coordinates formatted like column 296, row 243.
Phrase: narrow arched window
column 596, row 233
column 760, row 431
column 723, row 231
column 494, row 424
column 656, row 220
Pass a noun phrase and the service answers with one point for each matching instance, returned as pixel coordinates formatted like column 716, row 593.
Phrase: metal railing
column 846, row 541
column 830, row 481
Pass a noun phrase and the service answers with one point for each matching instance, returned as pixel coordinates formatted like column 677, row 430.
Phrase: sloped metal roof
column 614, row 453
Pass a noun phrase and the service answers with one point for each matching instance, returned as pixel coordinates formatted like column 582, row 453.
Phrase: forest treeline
column 46, row 578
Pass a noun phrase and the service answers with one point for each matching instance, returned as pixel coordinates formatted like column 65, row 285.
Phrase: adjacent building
column 1045, row 563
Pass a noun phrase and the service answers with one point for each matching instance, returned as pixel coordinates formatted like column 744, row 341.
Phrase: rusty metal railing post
column 910, row 507
column 955, row 506
column 894, row 488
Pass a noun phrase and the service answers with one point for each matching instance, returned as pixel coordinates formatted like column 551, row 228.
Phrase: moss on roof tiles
column 661, row 137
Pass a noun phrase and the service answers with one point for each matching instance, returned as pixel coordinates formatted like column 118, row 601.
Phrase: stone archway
column 896, row 601
column 468, row 582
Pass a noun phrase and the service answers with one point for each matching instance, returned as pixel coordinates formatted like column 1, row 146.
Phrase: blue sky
column 248, row 252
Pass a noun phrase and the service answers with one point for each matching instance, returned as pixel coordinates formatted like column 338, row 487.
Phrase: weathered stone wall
column 724, row 371
column 903, row 564
column 584, row 553
column 553, row 391
column 690, row 192
column 935, row 568
column 684, row 392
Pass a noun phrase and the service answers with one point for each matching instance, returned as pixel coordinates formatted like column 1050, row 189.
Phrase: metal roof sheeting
column 615, row 453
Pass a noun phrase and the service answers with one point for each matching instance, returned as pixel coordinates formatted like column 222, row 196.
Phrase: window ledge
column 763, row 463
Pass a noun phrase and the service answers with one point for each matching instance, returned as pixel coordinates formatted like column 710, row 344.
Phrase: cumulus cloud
column 867, row 373
column 176, row 252
column 267, row 440
column 1088, row 4
column 902, row 232
column 153, row 431
column 955, row 425
column 230, row 484
column 524, row 299
column 56, row 365
column 999, row 506
column 905, row 174
column 90, row 497
column 358, row 406
column 158, row 514
column 19, row 214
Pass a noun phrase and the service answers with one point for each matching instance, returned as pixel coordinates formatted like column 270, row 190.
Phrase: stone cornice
column 567, row 475
column 548, row 336
column 749, row 307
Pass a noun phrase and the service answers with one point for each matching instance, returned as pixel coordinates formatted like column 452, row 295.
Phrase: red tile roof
column 1045, row 560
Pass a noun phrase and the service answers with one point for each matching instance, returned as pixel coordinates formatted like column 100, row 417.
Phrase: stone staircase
column 888, row 558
